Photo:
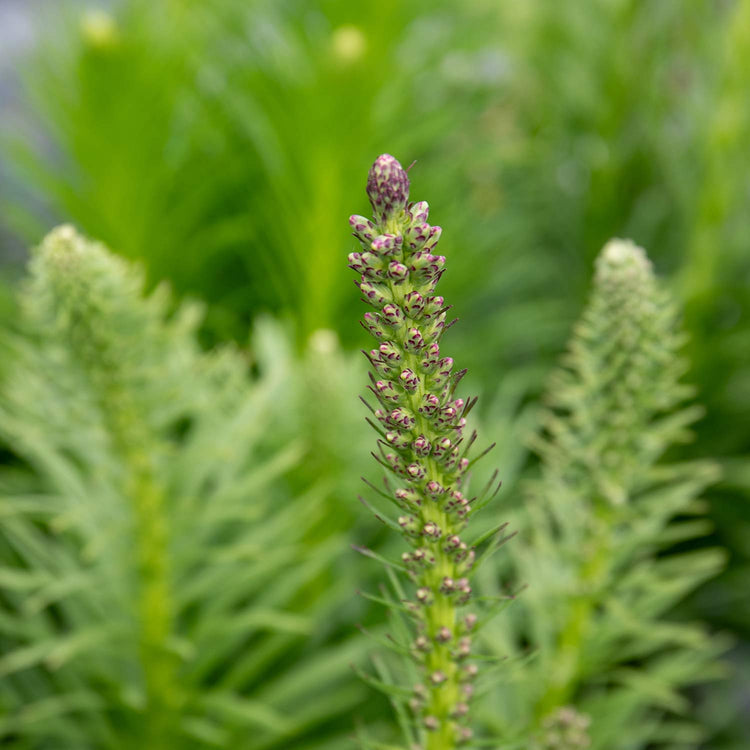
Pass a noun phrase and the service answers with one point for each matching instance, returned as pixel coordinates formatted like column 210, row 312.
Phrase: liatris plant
column 150, row 589
column 421, row 425
column 610, row 661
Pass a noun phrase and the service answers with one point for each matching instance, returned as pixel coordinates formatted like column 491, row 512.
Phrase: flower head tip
column 387, row 187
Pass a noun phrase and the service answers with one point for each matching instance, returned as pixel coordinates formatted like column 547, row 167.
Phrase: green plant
column 422, row 445
column 151, row 589
column 593, row 650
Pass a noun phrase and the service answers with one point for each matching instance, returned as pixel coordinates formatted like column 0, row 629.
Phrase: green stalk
column 423, row 445
column 93, row 335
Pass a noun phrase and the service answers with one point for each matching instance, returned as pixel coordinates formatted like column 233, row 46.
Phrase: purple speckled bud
column 386, row 244
column 413, row 304
column 387, row 187
column 363, row 229
column 419, row 212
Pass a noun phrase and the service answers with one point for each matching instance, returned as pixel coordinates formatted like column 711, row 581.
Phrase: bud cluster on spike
column 422, row 424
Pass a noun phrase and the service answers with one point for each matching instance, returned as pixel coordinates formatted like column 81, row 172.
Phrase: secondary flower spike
column 422, row 444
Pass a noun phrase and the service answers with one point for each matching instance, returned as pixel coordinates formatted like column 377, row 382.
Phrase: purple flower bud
column 438, row 677
column 464, row 648
column 415, row 471
column 429, row 405
column 408, row 524
column 408, row 497
column 433, row 488
column 431, row 357
column 432, row 530
column 452, row 543
column 409, row 380
column 414, row 341
column 469, row 672
column 363, row 229
column 401, row 418
column 372, row 324
column 441, row 447
column 446, row 416
column 424, row 595
column 417, row 235
column 470, row 621
column 393, row 315
column 398, row 272
column 434, row 237
column 389, row 351
column 397, row 439
column 421, row 446
column 433, row 305
column 387, row 391
column 386, row 244
column 413, row 304
column 419, row 212
column 395, row 463
column 376, row 294
column 387, row 187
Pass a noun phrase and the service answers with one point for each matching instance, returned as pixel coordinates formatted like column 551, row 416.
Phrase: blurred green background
column 225, row 143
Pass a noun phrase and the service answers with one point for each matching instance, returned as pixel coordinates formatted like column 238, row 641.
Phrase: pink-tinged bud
column 389, row 351
column 376, row 294
column 408, row 497
column 431, row 357
column 432, row 530
column 424, row 595
column 415, row 471
column 433, row 488
column 433, row 305
column 434, row 237
column 386, row 244
column 395, row 463
column 451, row 543
column 401, row 418
column 444, row 635
column 470, row 621
column 398, row 272
column 421, row 446
column 387, row 187
column 408, row 524
column 363, row 229
column 387, row 391
column 393, row 315
column 438, row 677
column 417, row 235
column 413, row 304
column 441, row 447
column 429, row 405
column 419, row 212
column 409, row 380
column 397, row 439
column 414, row 341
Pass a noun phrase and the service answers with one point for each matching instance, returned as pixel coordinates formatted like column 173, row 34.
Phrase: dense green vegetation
column 222, row 146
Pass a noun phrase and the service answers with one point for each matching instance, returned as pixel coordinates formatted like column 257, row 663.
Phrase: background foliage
column 223, row 145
